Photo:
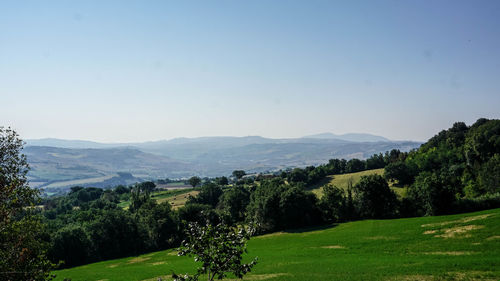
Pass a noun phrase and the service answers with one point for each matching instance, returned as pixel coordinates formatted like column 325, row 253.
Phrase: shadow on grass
column 319, row 184
column 311, row 228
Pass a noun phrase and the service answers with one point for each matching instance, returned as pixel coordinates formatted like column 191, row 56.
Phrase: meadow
column 342, row 181
column 176, row 197
column 454, row 247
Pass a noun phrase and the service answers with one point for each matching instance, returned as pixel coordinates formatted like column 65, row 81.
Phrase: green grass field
column 457, row 247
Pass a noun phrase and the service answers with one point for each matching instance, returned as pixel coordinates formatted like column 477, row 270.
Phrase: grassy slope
column 342, row 181
column 457, row 247
column 177, row 200
column 176, row 197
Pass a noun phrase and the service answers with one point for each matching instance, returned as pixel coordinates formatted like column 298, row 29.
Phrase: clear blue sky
column 148, row 70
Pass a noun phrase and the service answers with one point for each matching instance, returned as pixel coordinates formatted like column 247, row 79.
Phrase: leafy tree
column 209, row 194
column 332, row 203
column 263, row 209
column 298, row 175
column 275, row 205
column 376, row 161
column 233, row 204
column 238, row 174
column 138, row 198
column 194, row 181
column 113, row 229
column 22, row 250
column 71, row 244
column 222, row 181
column 337, row 166
column 160, row 224
column 489, row 175
column 219, row 248
column 433, row 193
column 355, row 165
column 121, row 189
column 194, row 212
column 147, row 186
column 316, row 174
column 398, row 171
column 393, row 156
column 298, row 208
column 374, row 198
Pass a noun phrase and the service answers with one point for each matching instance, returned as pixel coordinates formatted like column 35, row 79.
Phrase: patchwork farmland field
column 456, row 247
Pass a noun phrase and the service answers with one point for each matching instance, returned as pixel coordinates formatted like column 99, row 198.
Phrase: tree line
column 456, row 170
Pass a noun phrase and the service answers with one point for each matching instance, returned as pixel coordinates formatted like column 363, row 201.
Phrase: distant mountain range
column 356, row 137
column 58, row 163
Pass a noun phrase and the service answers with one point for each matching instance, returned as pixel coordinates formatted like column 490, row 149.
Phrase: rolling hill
column 59, row 163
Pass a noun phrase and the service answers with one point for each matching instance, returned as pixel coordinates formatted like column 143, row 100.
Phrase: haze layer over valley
column 57, row 163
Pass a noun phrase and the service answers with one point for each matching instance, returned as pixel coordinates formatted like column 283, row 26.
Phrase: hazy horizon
column 129, row 71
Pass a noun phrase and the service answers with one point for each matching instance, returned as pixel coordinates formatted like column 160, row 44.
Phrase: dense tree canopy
column 374, row 198
column 457, row 164
column 194, row 181
column 22, row 249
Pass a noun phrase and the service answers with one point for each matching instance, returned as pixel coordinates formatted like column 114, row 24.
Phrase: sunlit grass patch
column 361, row 250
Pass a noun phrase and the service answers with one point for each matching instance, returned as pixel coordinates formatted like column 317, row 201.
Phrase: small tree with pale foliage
column 219, row 248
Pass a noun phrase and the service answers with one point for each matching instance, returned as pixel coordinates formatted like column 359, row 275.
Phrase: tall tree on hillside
column 22, row 251
column 238, row 174
column 374, row 198
column 194, row 181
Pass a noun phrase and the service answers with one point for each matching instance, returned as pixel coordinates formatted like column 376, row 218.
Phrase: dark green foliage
column 298, row 208
column 275, row 205
column 333, row 204
column 433, row 194
column 113, row 229
column 138, row 198
column 160, row 223
column 209, row 195
column 376, row 161
column 374, row 198
column 337, row 166
column 489, row 176
column 219, row 248
column 194, row 212
column 238, row 174
column 233, row 204
column 147, row 186
column 221, row 180
column 72, row 245
column 194, row 181
column 394, row 156
column 400, row 172
column 22, row 245
column 264, row 210
column 456, row 164
column 121, row 189
column 99, row 230
column 355, row 165
column 298, row 175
